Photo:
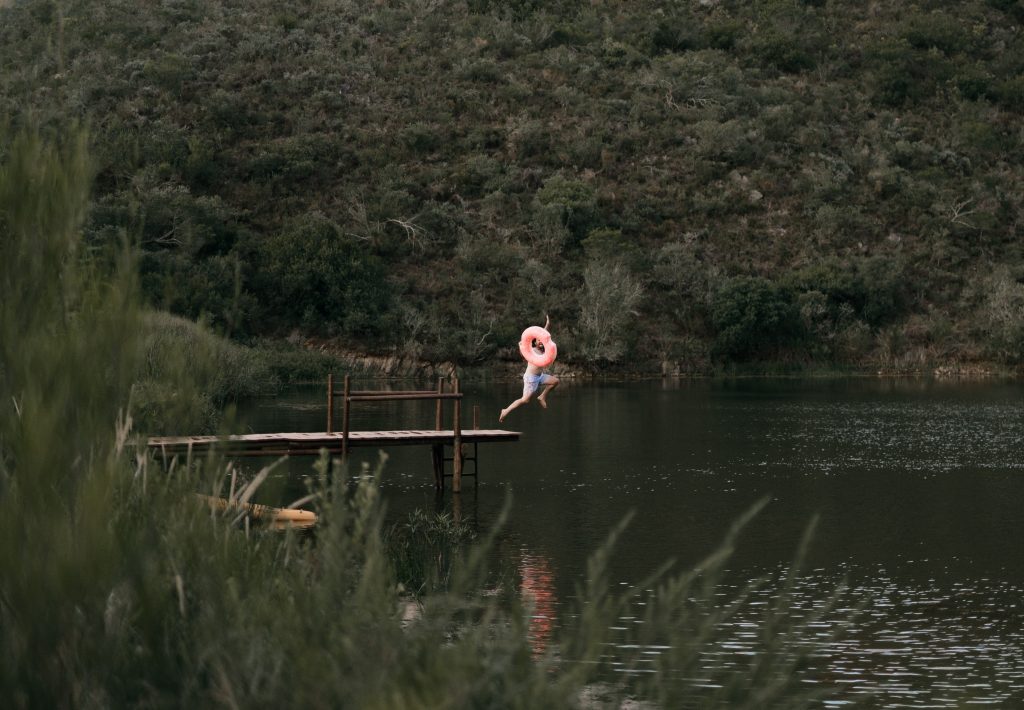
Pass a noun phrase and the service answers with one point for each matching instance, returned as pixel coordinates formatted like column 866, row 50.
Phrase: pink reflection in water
column 538, row 592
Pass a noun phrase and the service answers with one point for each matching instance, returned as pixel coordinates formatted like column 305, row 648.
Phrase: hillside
column 690, row 183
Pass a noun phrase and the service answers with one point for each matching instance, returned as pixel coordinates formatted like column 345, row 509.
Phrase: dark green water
column 919, row 487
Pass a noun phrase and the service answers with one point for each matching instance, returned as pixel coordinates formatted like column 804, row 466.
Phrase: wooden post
column 330, row 403
column 344, row 419
column 437, row 457
column 457, row 443
column 437, row 451
column 457, row 508
column 476, row 452
column 438, row 421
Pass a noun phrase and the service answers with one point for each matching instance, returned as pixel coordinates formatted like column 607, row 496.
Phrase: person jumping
column 533, row 379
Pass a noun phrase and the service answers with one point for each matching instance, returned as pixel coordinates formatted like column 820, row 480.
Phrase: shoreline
column 397, row 366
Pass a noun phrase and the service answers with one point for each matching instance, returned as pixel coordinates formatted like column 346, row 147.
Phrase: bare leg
column 541, row 400
column 522, row 400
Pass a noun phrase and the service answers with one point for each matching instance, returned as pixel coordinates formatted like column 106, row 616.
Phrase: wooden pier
column 311, row 443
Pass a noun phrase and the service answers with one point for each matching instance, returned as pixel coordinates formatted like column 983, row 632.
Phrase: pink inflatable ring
column 540, row 356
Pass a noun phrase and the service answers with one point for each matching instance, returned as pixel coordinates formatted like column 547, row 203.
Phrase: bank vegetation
column 681, row 185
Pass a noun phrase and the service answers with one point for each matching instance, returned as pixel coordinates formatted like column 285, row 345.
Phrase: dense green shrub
column 722, row 33
column 677, row 33
column 477, row 176
column 871, row 288
column 607, row 244
column 784, row 50
column 1010, row 93
column 905, row 75
column 421, row 137
column 1004, row 316
column 168, row 71
column 936, row 30
column 1012, row 7
column 973, row 83
column 210, row 289
column 885, row 287
column 730, row 141
column 573, row 201
column 681, row 268
column 313, row 275
column 753, row 318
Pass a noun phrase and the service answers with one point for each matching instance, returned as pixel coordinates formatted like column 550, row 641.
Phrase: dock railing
column 350, row 397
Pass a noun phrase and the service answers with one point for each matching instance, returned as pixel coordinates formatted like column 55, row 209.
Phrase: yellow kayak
column 278, row 518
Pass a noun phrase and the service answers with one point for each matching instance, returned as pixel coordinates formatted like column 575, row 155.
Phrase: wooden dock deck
column 335, row 442
column 310, row 443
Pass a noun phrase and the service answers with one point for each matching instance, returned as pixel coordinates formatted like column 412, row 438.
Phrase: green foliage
column 904, row 75
column 753, row 318
column 291, row 363
column 1013, row 8
column 168, row 71
column 870, row 288
column 685, row 283
column 421, row 137
column 218, row 371
column 885, row 286
column 609, row 306
column 1010, row 93
column 1004, row 316
column 936, row 30
column 477, row 176
column 843, row 303
column 723, row 33
column 68, row 350
column 313, row 275
column 783, row 50
column 573, row 201
column 607, row 244
column 794, row 130
column 210, row 289
column 425, row 548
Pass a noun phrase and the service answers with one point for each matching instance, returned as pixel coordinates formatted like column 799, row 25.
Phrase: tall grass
column 189, row 373
column 118, row 590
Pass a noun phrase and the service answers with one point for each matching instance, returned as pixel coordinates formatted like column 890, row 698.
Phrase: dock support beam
column 437, row 451
column 344, row 419
column 457, row 443
column 437, row 457
column 438, row 412
column 330, row 403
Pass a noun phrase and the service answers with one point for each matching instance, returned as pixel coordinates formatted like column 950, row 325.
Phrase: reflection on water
column 918, row 486
column 537, row 590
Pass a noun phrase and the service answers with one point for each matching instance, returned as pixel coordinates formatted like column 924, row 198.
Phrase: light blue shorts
column 531, row 383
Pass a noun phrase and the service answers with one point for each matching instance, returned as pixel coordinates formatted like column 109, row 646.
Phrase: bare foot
column 504, row 413
column 542, row 403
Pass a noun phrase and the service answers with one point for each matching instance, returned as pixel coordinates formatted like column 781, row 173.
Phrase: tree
column 312, row 275
column 753, row 318
column 608, row 302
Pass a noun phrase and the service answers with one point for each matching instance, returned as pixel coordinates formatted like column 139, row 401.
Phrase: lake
column 918, row 486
